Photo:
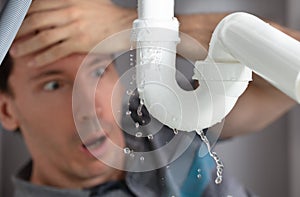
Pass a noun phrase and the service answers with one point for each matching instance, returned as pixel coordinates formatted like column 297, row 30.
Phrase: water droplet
column 138, row 134
column 128, row 113
column 129, row 92
column 142, row 84
column 132, row 155
column 133, row 77
column 167, row 167
column 219, row 164
column 139, row 111
column 130, row 82
column 142, row 102
column 174, row 119
column 131, row 59
column 126, row 150
column 199, row 176
column 218, row 180
column 199, row 170
column 150, row 137
column 142, row 158
column 131, row 55
column 140, row 89
column 137, row 125
column 143, row 121
column 175, row 131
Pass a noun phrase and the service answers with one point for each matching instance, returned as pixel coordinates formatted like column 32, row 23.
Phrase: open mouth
column 95, row 143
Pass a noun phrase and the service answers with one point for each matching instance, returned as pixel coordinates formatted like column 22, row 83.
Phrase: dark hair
column 6, row 68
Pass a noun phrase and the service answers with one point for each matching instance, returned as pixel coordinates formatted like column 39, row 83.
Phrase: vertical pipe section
column 156, row 9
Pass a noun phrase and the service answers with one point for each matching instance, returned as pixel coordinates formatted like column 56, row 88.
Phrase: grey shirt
column 135, row 184
column 166, row 181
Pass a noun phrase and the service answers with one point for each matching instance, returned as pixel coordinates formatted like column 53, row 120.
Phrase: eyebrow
column 104, row 59
column 45, row 74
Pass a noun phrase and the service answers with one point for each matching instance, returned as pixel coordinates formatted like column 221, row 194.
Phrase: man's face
column 42, row 105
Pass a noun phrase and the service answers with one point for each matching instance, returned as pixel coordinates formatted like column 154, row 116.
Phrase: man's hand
column 63, row 27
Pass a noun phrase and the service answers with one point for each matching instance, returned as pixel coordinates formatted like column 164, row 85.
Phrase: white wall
column 273, row 9
column 293, row 14
column 260, row 160
column 294, row 152
column 1, row 158
column 13, row 156
column 293, row 20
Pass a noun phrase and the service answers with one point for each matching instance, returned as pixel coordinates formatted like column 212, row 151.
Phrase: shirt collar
column 26, row 189
column 138, row 184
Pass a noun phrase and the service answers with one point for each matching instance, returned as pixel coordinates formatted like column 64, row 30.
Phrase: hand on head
column 69, row 26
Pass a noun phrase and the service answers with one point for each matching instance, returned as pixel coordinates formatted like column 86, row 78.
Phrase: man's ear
column 8, row 118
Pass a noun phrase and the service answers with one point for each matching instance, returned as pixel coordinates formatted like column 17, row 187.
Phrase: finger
column 40, row 41
column 56, row 52
column 47, row 19
column 43, row 5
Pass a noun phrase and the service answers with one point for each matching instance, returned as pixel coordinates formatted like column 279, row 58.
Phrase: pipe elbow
column 177, row 108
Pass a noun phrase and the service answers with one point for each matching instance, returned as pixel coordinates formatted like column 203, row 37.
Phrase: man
column 42, row 111
column 65, row 162
column 56, row 161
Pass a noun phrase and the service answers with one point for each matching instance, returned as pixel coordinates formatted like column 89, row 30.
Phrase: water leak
column 139, row 109
column 126, row 150
column 175, row 131
column 142, row 158
column 137, row 125
column 150, row 137
column 132, row 155
column 214, row 155
column 131, row 59
column 199, row 176
column 133, row 77
column 129, row 92
column 128, row 112
column 138, row 134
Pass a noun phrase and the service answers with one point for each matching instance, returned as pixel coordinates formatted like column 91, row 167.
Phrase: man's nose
column 85, row 106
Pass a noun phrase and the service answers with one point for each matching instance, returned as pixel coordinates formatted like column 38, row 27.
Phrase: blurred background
column 266, row 162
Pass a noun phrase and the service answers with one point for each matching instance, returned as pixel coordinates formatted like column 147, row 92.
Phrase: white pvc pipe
column 156, row 52
column 239, row 39
column 156, row 9
column 269, row 52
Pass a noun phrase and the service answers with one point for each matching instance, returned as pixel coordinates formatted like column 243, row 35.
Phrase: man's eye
column 98, row 72
column 52, row 85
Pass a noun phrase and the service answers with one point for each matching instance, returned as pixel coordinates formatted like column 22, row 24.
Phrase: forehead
column 21, row 65
column 69, row 65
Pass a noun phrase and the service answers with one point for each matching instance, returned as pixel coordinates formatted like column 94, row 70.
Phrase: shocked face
column 64, row 154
